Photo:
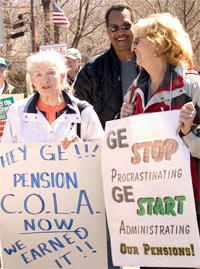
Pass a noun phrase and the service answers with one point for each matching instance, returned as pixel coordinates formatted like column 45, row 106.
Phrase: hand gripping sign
column 148, row 193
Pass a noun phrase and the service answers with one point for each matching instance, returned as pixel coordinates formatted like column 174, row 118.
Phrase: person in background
column 5, row 87
column 51, row 114
column 73, row 63
column 105, row 79
column 164, row 52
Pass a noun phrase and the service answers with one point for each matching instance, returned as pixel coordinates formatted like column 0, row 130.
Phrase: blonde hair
column 171, row 41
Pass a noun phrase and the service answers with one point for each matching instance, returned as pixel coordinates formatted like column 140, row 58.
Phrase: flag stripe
column 59, row 17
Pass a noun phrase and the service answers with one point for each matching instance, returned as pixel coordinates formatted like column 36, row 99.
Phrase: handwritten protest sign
column 51, row 206
column 6, row 100
column 148, row 193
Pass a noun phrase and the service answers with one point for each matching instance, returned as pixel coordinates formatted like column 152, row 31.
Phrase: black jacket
column 99, row 83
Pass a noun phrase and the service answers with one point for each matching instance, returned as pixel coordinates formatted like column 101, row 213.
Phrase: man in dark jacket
column 5, row 87
column 105, row 79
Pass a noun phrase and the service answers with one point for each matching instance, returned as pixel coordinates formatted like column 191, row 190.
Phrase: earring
column 155, row 54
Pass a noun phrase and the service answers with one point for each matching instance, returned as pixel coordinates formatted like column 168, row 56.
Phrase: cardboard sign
column 6, row 100
column 148, row 193
column 51, row 206
column 60, row 48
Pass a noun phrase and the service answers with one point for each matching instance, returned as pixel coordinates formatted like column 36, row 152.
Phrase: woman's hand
column 126, row 110
column 186, row 117
column 69, row 139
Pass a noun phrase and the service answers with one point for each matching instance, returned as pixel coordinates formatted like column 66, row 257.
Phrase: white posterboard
column 52, row 207
column 6, row 100
column 148, row 193
column 60, row 48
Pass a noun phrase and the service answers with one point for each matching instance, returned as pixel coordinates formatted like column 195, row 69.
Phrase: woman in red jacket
column 167, row 80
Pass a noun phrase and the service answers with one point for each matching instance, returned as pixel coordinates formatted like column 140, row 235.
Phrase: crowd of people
column 147, row 69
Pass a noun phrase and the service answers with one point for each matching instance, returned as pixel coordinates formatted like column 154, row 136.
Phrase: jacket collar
column 32, row 103
column 174, row 75
column 116, row 59
column 114, row 55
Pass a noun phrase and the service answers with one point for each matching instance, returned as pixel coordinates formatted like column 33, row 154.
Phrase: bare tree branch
column 196, row 47
column 166, row 8
column 194, row 16
column 191, row 7
column 159, row 5
column 63, row 4
column 135, row 10
column 149, row 2
column 194, row 25
column 88, row 33
column 178, row 7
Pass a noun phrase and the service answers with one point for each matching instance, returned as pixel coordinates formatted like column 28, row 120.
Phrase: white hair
column 47, row 57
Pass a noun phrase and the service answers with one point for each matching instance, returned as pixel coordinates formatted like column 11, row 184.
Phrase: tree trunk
column 56, row 34
column 48, row 21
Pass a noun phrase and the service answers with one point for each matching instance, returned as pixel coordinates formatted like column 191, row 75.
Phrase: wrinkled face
column 3, row 73
column 47, row 79
column 73, row 64
column 144, row 49
column 122, row 37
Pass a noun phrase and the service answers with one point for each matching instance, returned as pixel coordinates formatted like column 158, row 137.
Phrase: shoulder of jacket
column 98, row 58
column 80, row 104
column 18, row 105
column 192, row 77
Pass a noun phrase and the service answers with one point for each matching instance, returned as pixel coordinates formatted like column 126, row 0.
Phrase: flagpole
column 35, row 36
column 53, row 33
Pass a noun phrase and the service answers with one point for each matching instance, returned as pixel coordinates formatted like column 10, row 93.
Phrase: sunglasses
column 137, row 40
column 114, row 28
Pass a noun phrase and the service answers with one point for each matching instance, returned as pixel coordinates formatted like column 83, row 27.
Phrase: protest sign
column 60, row 48
column 51, row 206
column 148, row 193
column 6, row 100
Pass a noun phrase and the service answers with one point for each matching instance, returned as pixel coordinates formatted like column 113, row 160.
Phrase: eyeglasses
column 114, row 28
column 137, row 40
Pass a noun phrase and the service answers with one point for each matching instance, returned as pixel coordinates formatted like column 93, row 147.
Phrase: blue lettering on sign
column 34, row 198
column 48, row 156
column 52, row 245
column 3, row 205
column 46, row 225
column 13, row 156
column 14, row 248
column 27, row 200
column 84, row 194
column 46, row 180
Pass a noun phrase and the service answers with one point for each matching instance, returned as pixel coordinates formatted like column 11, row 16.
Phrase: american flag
column 58, row 16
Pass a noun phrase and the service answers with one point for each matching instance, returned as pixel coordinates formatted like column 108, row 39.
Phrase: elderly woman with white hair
column 51, row 114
